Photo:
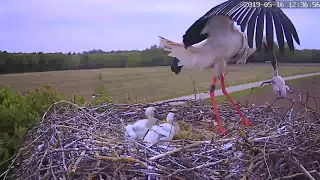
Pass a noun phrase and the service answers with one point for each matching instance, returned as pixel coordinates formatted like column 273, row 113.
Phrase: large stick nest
column 88, row 143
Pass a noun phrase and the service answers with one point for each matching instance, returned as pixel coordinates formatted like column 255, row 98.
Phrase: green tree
column 96, row 58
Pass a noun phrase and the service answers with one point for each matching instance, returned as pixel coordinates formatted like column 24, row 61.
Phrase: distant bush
column 20, row 113
column 96, row 59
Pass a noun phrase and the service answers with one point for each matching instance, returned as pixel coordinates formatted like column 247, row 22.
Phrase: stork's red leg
column 214, row 105
column 224, row 91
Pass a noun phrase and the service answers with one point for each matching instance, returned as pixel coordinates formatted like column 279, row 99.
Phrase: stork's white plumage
column 163, row 132
column 226, row 43
column 279, row 87
column 138, row 130
column 216, row 51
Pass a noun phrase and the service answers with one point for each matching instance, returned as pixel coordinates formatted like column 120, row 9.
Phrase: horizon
column 83, row 25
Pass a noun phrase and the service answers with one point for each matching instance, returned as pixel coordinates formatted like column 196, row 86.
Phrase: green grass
column 143, row 84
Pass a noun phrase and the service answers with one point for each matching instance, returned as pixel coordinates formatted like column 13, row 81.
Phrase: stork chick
column 163, row 132
column 139, row 129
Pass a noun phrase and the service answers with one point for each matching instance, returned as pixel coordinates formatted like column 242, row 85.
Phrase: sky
column 81, row 25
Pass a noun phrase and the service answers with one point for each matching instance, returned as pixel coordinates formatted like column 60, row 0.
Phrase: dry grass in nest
column 87, row 143
column 187, row 132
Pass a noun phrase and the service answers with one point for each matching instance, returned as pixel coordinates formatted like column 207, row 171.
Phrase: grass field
column 143, row 84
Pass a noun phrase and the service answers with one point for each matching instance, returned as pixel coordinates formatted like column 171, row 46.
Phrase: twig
column 194, row 88
column 295, row 175
column 78, row 161
column 265, row 161
column 7, row 171
column 174, row 151
column 68, row 138
column 198, row 167
column 82, row 131
column 303, row 169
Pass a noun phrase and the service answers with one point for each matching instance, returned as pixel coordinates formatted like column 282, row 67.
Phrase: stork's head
column 170, row 117
column 265, row 46
column 151, row 112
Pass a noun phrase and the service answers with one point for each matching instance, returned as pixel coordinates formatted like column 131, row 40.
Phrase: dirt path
column 241, row 87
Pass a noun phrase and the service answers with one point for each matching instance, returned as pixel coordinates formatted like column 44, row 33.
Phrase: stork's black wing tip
column 176, row 70
column 174, row 66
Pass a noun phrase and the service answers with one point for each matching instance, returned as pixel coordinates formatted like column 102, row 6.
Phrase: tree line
column 95, row 59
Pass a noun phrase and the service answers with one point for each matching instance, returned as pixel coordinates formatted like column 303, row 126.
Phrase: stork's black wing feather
column 269, row 29
column 259, row 28
column 245, row 19
column 279, row 30
column 193, row 34
column 174, row 66
column 248, row 18
column 251, row 25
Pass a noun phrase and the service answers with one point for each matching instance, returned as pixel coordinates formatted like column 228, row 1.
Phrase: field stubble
column 142, row 84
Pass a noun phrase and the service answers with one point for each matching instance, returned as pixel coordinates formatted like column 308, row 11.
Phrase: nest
column 73, row 142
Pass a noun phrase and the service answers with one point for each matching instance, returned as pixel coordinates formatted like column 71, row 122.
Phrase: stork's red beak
column 265, row 46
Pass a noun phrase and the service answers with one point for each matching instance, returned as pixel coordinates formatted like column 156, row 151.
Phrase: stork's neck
column 176, row 124
column 151, row 121
column 170, row 121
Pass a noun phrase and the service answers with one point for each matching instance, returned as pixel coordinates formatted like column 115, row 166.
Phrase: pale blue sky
column 79, row 25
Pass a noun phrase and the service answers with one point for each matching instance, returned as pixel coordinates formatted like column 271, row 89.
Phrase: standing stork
column 224, row 40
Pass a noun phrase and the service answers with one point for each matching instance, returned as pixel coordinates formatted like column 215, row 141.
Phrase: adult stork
column 224, row 40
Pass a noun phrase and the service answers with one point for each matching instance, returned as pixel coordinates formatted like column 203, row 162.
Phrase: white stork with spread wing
column 225, row 41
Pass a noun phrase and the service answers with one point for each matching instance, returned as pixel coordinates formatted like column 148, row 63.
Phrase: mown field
column 143, row 84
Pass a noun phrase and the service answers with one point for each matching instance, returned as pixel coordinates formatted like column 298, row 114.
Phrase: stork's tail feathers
column 182, row 56
column 177, row 51
column 168, row 45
